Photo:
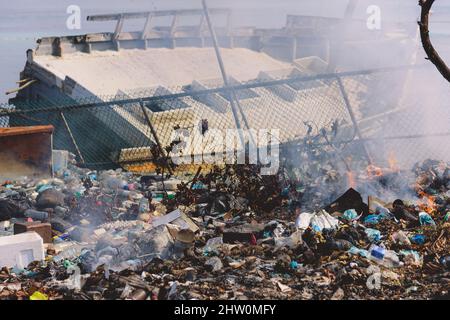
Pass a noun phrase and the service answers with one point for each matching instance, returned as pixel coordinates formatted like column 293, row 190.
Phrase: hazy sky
column 23, row 21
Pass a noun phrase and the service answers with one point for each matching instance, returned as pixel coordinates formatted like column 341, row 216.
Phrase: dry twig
column 432, row 54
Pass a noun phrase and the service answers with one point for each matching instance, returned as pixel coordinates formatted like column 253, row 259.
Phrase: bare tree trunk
column 432, row 54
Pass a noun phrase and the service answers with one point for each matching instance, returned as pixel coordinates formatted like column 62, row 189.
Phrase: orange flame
column 374, row 171
column 428, row 204
column 392, row 160
column 351, row 179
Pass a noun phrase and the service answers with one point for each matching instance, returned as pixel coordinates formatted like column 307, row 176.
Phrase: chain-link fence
column 4, row 120
column 379, row 114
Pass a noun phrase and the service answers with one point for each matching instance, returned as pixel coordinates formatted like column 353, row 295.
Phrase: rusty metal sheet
column 26, row 151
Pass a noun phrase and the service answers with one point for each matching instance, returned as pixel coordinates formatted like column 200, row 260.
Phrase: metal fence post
column 230, row 92
column 72, row 137
column 155, row 136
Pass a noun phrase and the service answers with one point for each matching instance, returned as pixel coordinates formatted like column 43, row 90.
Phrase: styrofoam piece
column 21, row 249
column 60, row 160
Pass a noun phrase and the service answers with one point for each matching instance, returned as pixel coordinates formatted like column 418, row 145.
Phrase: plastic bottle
column 341, row 245
column 383, row 212
column 123, row 193
column 111, row 181
column 69, row 253
column 391, row 260
column 134, row 264
column 61, row 211
column 387, row 258
column 36, row 215
column 401, row 237
column 377, row 253
column 144, row 205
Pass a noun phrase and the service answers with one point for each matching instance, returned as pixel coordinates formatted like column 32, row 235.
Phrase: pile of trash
column 228, row 233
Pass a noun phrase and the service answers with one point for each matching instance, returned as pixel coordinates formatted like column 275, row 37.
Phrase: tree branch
column 432, row 54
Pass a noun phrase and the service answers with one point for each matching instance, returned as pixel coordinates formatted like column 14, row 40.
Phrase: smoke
column 409, row 107
column 377, row 34
column 403, row 114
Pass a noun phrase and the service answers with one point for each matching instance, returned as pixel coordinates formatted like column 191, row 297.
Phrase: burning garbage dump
column 224, row 233
column 98, row 199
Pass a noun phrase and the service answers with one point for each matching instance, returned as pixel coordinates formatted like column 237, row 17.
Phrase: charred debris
column 230, row 233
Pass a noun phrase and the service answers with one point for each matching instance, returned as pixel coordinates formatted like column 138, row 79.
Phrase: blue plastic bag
column 372, row 219
column 373, row 235
column 350, row 214
column 418, row 239
column 426, row 219
column 357, row 251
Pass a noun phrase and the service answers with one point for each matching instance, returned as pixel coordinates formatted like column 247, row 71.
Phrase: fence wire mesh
column 382, row 111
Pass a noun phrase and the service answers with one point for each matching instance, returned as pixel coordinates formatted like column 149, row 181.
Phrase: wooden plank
column 14, row 131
